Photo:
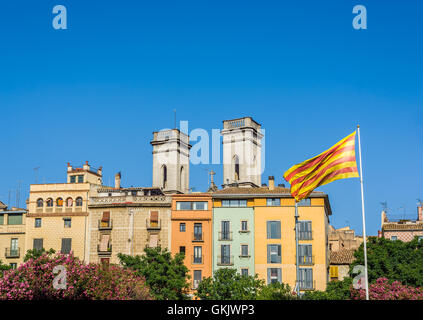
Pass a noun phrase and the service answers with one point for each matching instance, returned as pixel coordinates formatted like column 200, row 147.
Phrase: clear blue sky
column 98, row 90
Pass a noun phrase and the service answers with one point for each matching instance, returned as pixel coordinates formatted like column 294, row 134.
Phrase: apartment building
column 401, row 228
column 192, row 233
column 12, row 234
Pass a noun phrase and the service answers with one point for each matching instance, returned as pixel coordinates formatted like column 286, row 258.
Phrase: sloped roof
column 2, row 205
column 342, row 257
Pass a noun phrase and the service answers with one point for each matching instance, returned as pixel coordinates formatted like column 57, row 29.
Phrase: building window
column 394, row 238
column 49, row 202
column 182, row 227
column 72, row 179
column 236, row 168
column 37, row 223
column 225, row 254
column 40, row 203
column 305, row 253
column 274, row 275
column 189, row 205
column 14, row 250
column 198, row 255
column 234, row 203
column 164, row 169
column 59, row 202
column 333, row 272
column 66, row 245
column 78, row 202
column 182, row 249
column 225, row 231
column 305, row 230
column 14, row 219
column 244, row 272
column 38, row 244
column 69, row 202
column 304, row 203
column 244, row 225
column 273, row 202
column 198, row 231
column 80, row 179
column 197, row 278
column 244, row 250
column 13, row 265
column 68, row 222
column 306, row 279
column 274, row 253
column 274, row 229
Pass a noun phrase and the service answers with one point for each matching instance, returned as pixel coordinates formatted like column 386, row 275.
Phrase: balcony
column 225, row 236
column 306, row 260
column 305, row 235
column 12, row 253
column 225, row 260
column 307, row 285
column 197, row 237
column 197, row 260
column 153, row 225
column 105, row 225
column 105, row 250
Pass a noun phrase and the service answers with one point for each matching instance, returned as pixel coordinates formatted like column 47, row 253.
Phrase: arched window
column 164, row 169
column 69, row 202
column 182, row 179
column 78, row 202
column 40, row 203
column 236, row 168
column 59, row 202
column 49, row 202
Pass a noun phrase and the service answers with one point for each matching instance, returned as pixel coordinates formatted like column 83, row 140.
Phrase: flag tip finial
column 358, row 126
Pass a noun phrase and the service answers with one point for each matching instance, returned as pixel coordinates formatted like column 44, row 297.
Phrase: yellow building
column 274, row 233
column 58, row 212
column 12, row 235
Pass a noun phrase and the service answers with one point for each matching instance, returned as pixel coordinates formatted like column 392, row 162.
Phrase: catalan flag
column 338, row 162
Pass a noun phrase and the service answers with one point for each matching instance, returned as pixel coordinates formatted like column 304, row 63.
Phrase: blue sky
column 98, row 90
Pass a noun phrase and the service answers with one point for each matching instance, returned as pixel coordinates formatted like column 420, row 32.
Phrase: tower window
column 164, row 176
column 236, row 168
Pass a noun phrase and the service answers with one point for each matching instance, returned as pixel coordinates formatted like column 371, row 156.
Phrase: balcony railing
column 197, row 237
column 105, row 225
column 307, row 285
column 225, row 260
column 225, row 236
column 305, row 235
column 306, row 260
column 105, row 250
column 197, row 260
column 153, row 225
column 13, row 253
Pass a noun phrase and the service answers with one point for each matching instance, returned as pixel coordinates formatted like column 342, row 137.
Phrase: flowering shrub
column 33, row 280
column 383, row 290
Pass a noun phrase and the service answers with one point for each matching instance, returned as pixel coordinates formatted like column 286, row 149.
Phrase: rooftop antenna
column 18, row 194
column 384, row 206
column 36, row 174
column 10, row 192
column 174, row 111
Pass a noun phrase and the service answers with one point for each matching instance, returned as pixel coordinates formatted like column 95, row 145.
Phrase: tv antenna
column 36, row 174
column 384, row 206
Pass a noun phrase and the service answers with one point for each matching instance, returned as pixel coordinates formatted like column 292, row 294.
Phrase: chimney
column 117, row 180
column 420, row 213
column 69, row 167
column 379, row 234
column 384, row 218
column 100, row 171
column 86, row 166
column 271, row 183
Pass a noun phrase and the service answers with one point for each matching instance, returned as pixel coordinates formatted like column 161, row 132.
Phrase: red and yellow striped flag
column 338, row 162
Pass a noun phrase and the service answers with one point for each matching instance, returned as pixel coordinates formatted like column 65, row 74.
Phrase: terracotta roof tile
column 405, row 226
column 342, row 257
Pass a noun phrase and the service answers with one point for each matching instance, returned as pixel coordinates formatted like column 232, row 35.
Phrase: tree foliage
column 335, row 290
column 228, row 284
column 35, row 254
column 166, row 276
column 394, row 260
column 3, row 267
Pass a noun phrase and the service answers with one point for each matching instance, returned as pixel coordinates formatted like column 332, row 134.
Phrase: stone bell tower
column 171, row 161
column 241, row 152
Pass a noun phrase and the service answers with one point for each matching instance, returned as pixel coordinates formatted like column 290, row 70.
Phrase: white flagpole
column 364, row 215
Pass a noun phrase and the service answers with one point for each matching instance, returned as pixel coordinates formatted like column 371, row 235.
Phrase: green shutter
column 14, row 219
column 1, row 219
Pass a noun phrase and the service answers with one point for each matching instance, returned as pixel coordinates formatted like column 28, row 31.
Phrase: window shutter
column 279, row 275
column 268, row 275
column 268, row 229
column 278, row 230
column 106, row 216
column 279, row 254
column 154, row 216
column 66, row 245
column 268, row 253
column 308, row 225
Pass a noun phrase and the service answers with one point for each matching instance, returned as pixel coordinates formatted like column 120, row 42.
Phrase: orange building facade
column 192, row 233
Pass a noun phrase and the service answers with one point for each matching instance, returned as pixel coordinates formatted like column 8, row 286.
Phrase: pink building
column 402, row 229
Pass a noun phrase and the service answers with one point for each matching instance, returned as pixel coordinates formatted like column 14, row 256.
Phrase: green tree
column 3, row 267
column 35, row 254
column 276, row 291
column 335, row 290
column 227, row 284
column 166, row 276
column 395, row 260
